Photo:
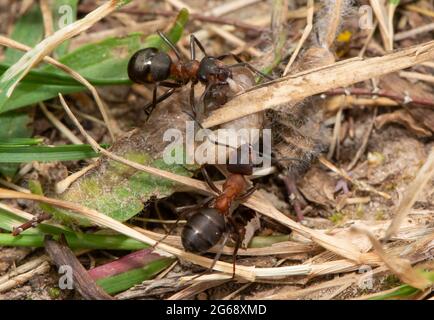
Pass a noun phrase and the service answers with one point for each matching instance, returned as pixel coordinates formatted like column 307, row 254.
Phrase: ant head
column 213, row 70
column 149, row 66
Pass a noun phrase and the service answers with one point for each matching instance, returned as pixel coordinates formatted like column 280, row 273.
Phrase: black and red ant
column 152, row 66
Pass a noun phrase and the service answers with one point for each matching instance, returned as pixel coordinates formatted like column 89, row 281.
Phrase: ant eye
column 139, row 66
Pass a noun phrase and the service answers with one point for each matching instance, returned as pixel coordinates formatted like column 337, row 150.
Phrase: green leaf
column 395, row 2
column 120, row 191
column 37, row 76
column 17, row 124
column 126, row 280
column 104, row 63
column 75, row 241
column 404, row 291
column 20, row 141
column 19, row 154
column 13, row 125
column 32, row 20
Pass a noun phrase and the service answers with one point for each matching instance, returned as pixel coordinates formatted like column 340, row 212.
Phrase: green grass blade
column 404, row 291
column 18, row 154
column 31, row 20
column 20, row 141
column 126, row 280
column 14, row 125
column 41, row 77
column 80, row 241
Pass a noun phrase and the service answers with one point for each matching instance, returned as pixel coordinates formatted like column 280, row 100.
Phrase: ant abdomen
column 149, row 65
column 203, row 230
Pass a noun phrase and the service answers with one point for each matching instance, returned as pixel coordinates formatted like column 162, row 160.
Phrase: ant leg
column 216, row 257
column 192, row 103
column 182, row 211
column 170, row 44
column 242, row 63
column 151, row 106
column 208, row 180
column 193, row 41
column 252, row 68
column 31, row 223
column 246, row 194
column 239, row 236
column 164, row 96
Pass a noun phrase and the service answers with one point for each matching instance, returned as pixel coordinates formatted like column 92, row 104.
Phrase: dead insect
column 152, row 66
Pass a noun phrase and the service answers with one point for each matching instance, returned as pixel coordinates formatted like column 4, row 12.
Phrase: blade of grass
column 13, row 125
column 75, row 241
column 126, row 280
column 20, row 141
column 19, row 154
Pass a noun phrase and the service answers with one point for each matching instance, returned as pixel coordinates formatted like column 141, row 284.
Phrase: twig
column 360, row 184
column 62, row 185
column 391, row 6
column 416, row 8
column 382, row 93
column 219, row 31
column 368, row 40
column 414, row 32
column 304, row 36
column 24, row 277
column 382, row 17
column 59, row 125
column 410, row 196
column 336, row 133
column 417, row 76
column 200, row 17
column 401, row 267
column 297, row 87
column 46, row 17
column 364, row 144
column 13, row 186
column 334, row 20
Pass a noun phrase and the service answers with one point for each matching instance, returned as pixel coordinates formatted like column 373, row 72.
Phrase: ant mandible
column 152, row 66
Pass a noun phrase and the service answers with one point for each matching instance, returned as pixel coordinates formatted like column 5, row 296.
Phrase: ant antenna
column 193, row 41
column 170, row 44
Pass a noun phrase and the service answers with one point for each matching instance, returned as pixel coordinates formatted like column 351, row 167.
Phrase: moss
column 54, row 292
column 379, row 215
column 337, row 217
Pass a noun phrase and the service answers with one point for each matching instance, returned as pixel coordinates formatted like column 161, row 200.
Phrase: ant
column 214, row 220
column 152, row 66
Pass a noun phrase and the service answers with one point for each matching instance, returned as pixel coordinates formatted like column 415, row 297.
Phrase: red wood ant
column 214, row 221
column 152, row 66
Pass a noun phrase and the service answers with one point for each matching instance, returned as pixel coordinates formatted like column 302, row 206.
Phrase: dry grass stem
column 293, row 88
column 304, row 36
column 62, row 185
column 59, row 125
column 401, row 267
column 411, row 194
column 359, row 184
